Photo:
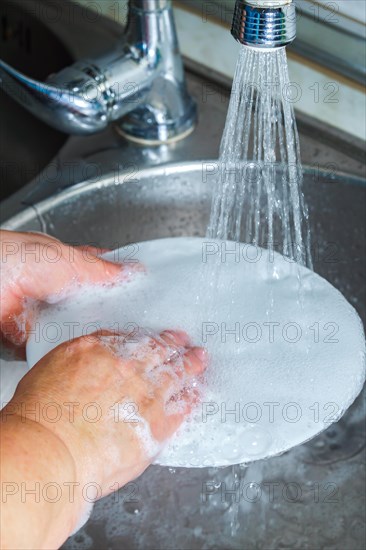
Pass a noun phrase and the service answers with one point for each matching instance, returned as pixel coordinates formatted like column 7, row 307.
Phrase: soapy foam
column 84, row 518
column 149, row 445
column 126, row 412
column 253, row 373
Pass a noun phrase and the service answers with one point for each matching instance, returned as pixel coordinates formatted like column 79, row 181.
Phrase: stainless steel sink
column 107, row 191
column 26, row 144
column 175, row 200
column 40, row 38
column 316, row 500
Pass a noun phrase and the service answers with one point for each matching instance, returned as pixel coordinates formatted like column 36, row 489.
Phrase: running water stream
column 258, row 198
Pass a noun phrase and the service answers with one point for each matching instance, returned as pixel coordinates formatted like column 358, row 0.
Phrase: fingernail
column 201, row 354
column 178, row 337
column 195, row 362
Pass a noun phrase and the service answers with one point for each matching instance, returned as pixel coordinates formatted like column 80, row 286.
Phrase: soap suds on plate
column 281, row 341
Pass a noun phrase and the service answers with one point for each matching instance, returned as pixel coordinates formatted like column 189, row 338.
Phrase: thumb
column 90, row 267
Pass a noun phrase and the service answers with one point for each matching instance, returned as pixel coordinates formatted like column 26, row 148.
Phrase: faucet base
column 154, row 142
column 143, row 125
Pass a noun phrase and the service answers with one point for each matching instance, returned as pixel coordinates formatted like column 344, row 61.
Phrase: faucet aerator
column 264, row 24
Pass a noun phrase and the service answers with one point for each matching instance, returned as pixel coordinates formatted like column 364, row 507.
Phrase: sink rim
column 177, row 168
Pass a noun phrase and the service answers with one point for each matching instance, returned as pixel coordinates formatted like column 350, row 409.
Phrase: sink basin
column 31, row 47
column 308, row 498
column 175, row 200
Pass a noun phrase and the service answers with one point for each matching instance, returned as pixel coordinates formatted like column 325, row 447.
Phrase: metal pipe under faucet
column 264, row 24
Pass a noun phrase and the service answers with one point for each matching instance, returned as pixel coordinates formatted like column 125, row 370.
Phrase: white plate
column 287, row 350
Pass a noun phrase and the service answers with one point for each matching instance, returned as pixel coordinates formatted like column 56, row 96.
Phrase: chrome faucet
column 141, row 84
column 264, row 24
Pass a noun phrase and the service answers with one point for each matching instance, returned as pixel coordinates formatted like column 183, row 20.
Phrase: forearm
column 38, row 485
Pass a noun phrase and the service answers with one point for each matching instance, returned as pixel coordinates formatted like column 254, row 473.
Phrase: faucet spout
column 141, row 84
column 63, row 107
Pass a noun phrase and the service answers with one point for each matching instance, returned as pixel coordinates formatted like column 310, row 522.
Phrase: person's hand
column 36, row 266
column 94, row 412
column 118, row 400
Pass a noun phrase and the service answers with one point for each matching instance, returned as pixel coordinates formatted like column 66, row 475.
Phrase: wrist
column 41, row 472
column 69, row 425
column 58, row 423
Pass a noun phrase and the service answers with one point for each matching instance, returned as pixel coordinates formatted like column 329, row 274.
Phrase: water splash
column 259, row 196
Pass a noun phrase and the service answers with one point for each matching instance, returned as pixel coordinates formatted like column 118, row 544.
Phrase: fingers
column 92, row 269
column 15, row 327
column 153, row 354
column 148, row 351
column 195, row 361
column 173, row 385
column 92, row 250
column 143, row 352
column 175, row 338
column 167, row 361
column 51, row 269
